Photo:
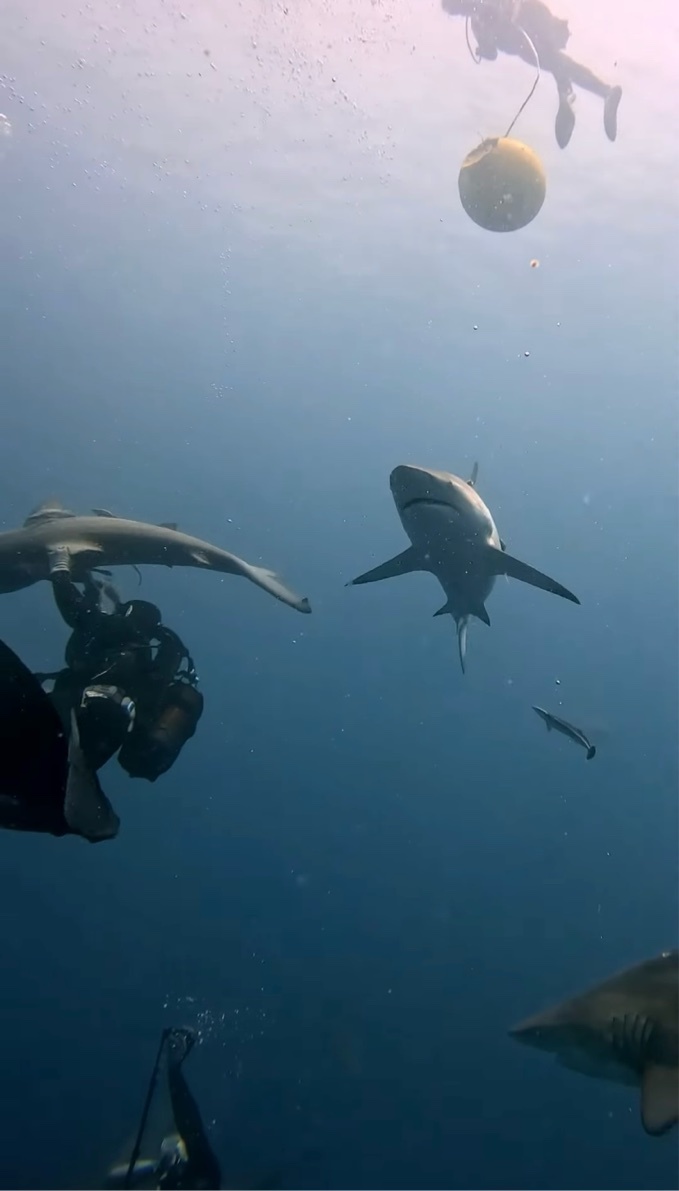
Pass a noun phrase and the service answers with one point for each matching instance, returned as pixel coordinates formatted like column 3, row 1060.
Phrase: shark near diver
column 29, row 554
column 626, row 1030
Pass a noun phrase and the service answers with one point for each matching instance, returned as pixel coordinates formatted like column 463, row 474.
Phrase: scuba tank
column 154, row 745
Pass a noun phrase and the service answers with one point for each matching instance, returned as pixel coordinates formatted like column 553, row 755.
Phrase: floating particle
column 475, row 327
column 535, row 264
column 526, row 354
column 557, row 681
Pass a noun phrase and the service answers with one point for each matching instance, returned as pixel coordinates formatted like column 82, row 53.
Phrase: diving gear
column 154, row 746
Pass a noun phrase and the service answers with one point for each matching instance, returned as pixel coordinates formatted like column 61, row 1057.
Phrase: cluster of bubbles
column 235, row 1024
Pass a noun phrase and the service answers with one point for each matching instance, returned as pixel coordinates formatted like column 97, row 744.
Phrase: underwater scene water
column 239, row 290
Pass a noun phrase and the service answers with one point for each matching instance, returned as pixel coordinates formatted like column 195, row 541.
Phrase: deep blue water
column 237, row 297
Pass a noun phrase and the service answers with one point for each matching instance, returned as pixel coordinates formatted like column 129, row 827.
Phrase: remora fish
column 28, row 554
column 454, row 537
column 625, row 1030
column 566, row 729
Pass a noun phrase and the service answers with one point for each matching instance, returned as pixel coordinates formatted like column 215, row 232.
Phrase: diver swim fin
column 87, row 810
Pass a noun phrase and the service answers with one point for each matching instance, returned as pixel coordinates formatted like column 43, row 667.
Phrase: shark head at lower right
column 453, row 537
column 625, row 1030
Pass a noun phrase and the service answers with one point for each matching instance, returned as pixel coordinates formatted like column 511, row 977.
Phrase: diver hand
column 180, row 1043
column 59, row 560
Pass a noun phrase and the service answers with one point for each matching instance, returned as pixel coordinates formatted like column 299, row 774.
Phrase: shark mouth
column 427, row 500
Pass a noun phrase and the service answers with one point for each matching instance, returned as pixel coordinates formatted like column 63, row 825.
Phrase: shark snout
column 409, row 483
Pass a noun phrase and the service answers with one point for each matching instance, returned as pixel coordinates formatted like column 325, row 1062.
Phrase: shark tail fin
column 462, row 622
column 402, row 564
column 271, row 582
column 505, row 564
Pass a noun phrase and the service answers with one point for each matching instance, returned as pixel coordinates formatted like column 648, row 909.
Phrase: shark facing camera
column 454, row 537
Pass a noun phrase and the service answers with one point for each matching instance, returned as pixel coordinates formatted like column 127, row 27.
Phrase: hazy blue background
column 236, row 290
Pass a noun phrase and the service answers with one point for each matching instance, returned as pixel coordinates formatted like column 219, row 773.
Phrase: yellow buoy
column 502, row 184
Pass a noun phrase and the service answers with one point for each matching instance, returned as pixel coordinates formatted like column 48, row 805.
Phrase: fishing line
column 476, row 58
column 535, row 81
column 145, row 1111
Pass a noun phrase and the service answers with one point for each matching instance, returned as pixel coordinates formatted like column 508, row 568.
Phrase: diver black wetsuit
column 45, row 782
column 526, row 28
column 124, row 679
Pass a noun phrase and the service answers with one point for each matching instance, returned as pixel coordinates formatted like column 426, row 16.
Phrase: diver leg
column 565, row 116
column 203, row 1164
column 585, row 78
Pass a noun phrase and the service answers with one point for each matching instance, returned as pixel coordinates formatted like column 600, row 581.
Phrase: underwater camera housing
column 153, row 747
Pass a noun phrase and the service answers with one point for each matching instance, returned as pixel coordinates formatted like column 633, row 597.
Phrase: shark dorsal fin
column 168, row 525
column 103, row 513
column 48, row 510
column 474, row 476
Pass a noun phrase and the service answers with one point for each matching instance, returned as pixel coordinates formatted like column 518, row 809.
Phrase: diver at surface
column 186, row 1159
column 529, row 30
column 46, row 784
column 129, row 678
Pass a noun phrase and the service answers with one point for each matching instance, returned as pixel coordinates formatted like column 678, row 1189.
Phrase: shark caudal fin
column 505, row 564
column 403, row 564
column 270, row 581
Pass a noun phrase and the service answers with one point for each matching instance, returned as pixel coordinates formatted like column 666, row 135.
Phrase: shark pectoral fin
column 591, row 752
column 87, row 810
column 659, row 1099
column 462, row 622
column 502, row 545
column 505, row 564
column 446, row 610
column 409, row 560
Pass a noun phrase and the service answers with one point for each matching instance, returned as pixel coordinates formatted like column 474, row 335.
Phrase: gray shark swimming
column 454, row 537
column 28, row 555
column 625, row 1030
column 566, row 729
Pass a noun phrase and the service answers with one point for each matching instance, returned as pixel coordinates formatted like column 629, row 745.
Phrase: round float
column 502, row 184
